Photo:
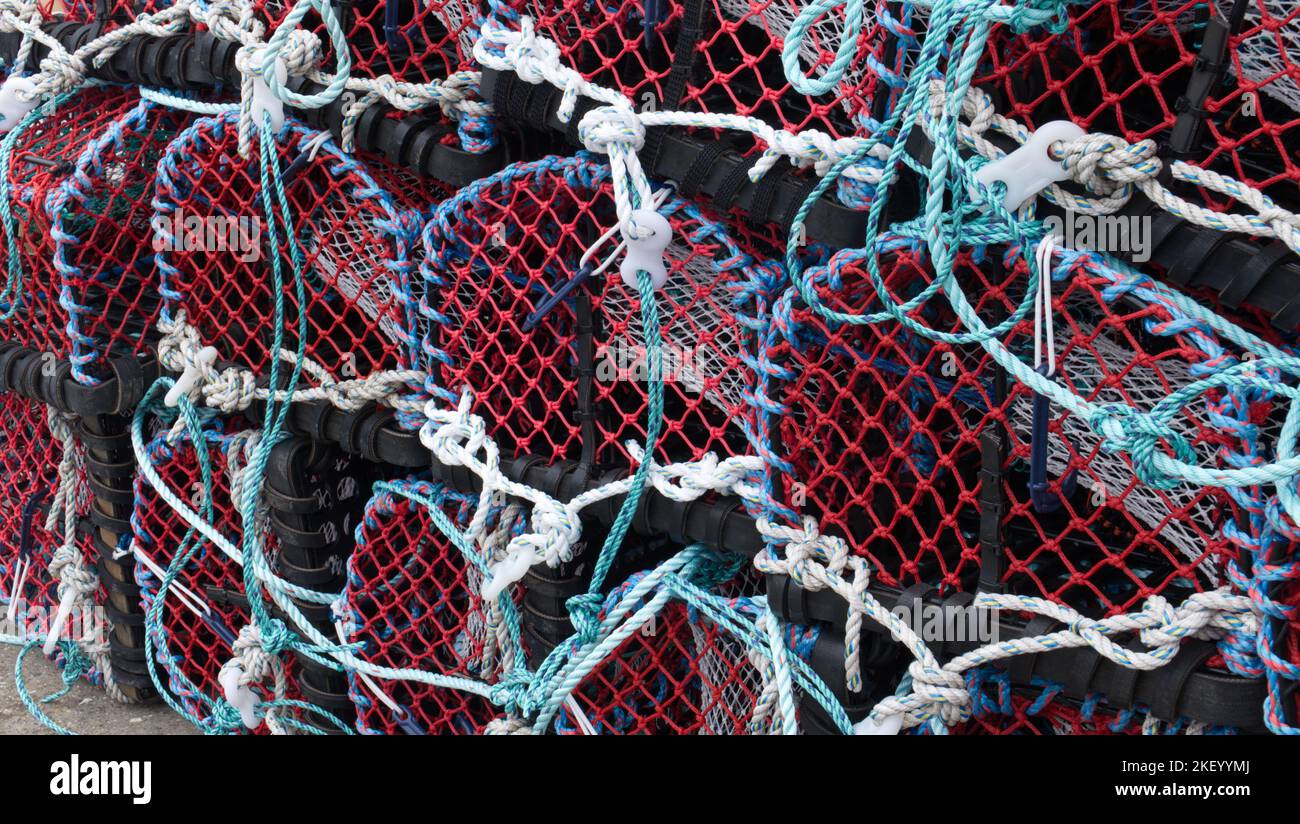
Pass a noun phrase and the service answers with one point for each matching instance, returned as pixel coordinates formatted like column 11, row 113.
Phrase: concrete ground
column 84, row 710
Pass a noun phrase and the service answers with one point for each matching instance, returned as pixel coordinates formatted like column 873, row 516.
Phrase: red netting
column 103, row 251
column 91, row 11
column 413, row 41
column 413, row 601
column 205, row 607
column 355, row 243
column 678, row 675
column 729, row 58
column 1122, row 66
column 29, row 480
column 497, row 252
column 43, row 157
column 885, row 429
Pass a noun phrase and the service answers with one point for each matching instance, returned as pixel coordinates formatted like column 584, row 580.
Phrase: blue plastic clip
column 544, row 308
column 1040, row 494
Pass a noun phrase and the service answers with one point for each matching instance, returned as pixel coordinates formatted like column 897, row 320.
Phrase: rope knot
column 584, row 614
column 608, row 126
column 1145, row 439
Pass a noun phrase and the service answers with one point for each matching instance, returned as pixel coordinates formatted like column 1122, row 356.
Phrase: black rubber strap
column 733, row 184
column 1252, row 271
column 694, row 16
column 701, row 166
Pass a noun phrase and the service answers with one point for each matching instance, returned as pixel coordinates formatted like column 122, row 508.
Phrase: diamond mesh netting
column 512, row 312
column 664, row 465
column 887, row 434
column 356, row 247
column 412, row 600
column 29, row 481
column 706, row 55
column 103, row 240
column 41, row 158
column 1122, row 67
column 205, row 606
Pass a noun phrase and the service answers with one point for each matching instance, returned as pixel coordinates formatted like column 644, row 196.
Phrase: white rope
column 536, row 59
column 458, row 437
column 818, row 562
column 1111, row 170
column 77, row 582
column 235, row 388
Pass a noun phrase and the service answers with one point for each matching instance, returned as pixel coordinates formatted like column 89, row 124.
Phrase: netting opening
column 412, row 600
column 206, row 605
column 43, row 157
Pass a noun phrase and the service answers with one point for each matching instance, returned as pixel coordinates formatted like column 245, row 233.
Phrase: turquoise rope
column 12, row 296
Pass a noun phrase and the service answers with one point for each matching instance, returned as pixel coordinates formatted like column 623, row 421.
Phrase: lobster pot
column 206, row 606
column 29, row 481
column 412, row 601
column 42, row 157
column 355, row 245
column 1122, row 65
column 561, row 373
column 103, row 251
column 888, row 434
column 717, row 56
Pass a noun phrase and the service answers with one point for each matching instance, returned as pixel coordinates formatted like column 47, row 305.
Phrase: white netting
column 337, row 230
column 728, row 680
column 1271, row 55
column 696, row 285
column 1110, row 364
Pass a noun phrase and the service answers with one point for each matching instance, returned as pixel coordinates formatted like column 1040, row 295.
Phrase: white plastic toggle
column 891, row 725
column 190, row 377
column 511, row 570
column 20, row 577
column 240, row 696
column 60, row 618
column 13, row 106
column 1030, row 169
column 647, row 253
column 264, row 100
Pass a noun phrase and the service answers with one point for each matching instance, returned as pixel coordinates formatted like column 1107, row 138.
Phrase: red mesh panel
column 414, row 602
column 90, row 11
column 42, row 158
column 413, row 40
column 355, row 244
column 205, row 608
column 733, row 66
column 680, row 675
column 496, row 252
column 104, row 255
column 29, row 462
column 1122, row 66
column 884, row 432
